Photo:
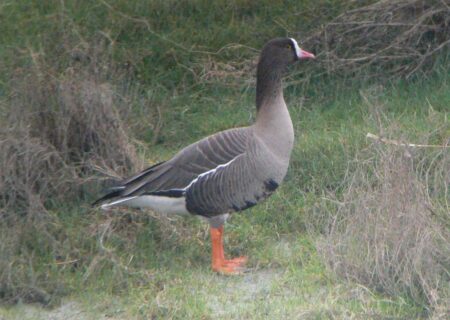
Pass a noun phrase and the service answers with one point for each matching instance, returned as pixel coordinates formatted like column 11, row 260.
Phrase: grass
column 286, row 290
column 137, row 265
column 160, row 269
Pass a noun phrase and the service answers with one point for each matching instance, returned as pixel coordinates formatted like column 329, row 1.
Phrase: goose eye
column 288, row 46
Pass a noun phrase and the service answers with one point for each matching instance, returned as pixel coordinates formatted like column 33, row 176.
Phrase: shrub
column 386, row 39
column 389, row 229
column 62, row 127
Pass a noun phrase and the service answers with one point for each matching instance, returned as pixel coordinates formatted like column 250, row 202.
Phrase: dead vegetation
column 390, row 228
column 62, row 127
column 386, row 38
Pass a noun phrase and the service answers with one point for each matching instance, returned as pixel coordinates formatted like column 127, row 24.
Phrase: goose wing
column 235, row 186
column 185, row 167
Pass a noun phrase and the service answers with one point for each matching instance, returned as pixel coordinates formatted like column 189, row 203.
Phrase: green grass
column 294, row 284
column 160, row 39
column 154, row 268
column 169, row 274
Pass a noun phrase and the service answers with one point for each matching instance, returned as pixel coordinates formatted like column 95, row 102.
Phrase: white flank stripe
column 210, row 172
column 107, row 205
column 298, row 51
column 164, row 204
column 161, row 204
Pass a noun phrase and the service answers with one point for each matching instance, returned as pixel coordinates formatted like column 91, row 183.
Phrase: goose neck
column 268, row 88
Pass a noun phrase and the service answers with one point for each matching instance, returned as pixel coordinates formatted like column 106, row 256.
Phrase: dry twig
column 389, row 38
column 402, row 144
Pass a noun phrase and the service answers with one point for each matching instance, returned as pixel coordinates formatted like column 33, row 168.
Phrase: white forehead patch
column 298, row 51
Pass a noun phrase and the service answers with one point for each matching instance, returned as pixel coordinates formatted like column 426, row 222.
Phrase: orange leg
column 219, row 263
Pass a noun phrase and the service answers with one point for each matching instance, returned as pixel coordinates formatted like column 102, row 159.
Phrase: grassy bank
column 148, row 266
column 161, row 75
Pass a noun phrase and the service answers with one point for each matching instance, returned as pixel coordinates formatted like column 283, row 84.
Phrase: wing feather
column 185, row 166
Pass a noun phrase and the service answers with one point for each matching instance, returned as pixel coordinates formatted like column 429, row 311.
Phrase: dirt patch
column 241, row 292
column 68, row 311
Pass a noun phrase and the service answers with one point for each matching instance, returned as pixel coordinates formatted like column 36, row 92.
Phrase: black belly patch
column 248, row 204
column 210, row 210
column 270, row 185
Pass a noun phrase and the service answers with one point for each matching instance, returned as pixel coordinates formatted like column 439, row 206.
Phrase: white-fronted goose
column 229, row 171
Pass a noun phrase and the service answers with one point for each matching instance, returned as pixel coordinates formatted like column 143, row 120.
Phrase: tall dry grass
column 375, row 39
column 64, row 131
column 386, row 39
column 390, row 228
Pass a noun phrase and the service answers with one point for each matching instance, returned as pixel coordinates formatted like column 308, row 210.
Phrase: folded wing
column 185, row 167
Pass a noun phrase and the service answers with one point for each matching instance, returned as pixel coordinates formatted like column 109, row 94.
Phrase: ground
column 294, row 285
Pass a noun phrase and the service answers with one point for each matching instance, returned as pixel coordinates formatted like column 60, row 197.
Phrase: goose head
column 280, row 52
column 275, row 56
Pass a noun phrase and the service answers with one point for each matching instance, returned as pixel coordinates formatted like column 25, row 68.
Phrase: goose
column 229, row 171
